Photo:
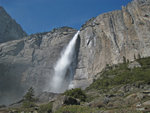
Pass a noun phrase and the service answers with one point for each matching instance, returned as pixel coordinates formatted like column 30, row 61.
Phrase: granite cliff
column 9, row 29
column 103, row 40
column 29, row 62
column 110, row 36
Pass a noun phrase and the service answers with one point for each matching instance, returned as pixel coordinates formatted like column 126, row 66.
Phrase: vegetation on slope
column 29, row 100
column 121, row 74
column 114, row 77
column 118, row 89
column 76, row 93
column 45, row 108
column 76, row 109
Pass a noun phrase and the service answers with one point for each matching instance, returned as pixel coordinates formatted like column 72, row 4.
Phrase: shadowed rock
column 9, row 29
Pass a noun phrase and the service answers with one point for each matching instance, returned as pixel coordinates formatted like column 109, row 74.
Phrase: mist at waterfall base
column 59, row 82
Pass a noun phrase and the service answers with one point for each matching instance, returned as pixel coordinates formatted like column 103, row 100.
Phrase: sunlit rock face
column 110, row 36
column 102, row 40
column 9, row 29
column 30, row 61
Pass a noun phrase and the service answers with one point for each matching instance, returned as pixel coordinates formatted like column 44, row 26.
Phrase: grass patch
column 76, row 109
column 126, row 110
column 19, row 110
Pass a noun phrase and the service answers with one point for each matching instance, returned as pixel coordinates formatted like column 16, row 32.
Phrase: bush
column 46, row 108
column 76, row 93
column 28, row 104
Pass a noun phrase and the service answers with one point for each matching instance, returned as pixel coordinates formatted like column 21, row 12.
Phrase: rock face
column 110, row 36
column 29, row 62
column 9, row 29
column 103, row 40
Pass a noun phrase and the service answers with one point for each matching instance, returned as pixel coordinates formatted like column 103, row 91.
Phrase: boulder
column 64, row 100
column 147, row 103
column 133, row 65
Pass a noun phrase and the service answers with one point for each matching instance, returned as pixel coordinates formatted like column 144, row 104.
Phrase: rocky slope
column 9, row 29
column 122, row 88
column 110, row 36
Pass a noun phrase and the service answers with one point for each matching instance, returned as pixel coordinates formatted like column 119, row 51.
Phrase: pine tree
column 29, row 96
column 139, row 56
column 28, row 99
column 124, row 59
column 134, row 57
column 128, row 61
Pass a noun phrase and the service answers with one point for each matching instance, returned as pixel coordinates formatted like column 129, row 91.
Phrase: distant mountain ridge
column 9, row 29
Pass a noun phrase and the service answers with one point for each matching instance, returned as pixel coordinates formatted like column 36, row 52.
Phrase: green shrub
column 28, row 99
column 29, row 96
column 28, row 104
column 76, row 93
column 46, row 108
column 124, row 59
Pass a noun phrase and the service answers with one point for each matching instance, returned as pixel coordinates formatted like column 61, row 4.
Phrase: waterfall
column 60, row 70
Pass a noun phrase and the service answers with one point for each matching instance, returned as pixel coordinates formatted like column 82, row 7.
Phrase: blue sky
column 44, row 15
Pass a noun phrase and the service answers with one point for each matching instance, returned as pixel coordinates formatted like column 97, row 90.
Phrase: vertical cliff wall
column 29, row 62
column 110, row 36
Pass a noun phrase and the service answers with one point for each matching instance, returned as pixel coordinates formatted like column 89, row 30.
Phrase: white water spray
column 62, row 66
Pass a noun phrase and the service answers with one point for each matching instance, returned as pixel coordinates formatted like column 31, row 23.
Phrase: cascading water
column 62, row 65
